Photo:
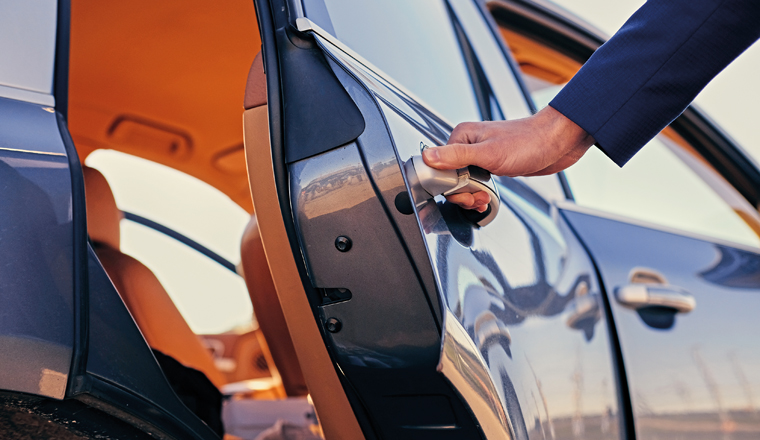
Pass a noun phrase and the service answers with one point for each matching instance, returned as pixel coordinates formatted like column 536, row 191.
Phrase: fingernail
column 431, row 155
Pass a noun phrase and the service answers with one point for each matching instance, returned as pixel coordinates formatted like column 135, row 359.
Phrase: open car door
column 411, row 318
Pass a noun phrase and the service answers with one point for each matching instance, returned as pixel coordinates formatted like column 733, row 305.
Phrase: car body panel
column 462, row 255
column 36, row 265
column 690, row 374
column 426, row 326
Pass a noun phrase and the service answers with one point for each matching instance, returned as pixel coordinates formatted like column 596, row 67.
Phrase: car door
column 678, row 256
column 678, row 227
column 431, row 326
column 37, row 262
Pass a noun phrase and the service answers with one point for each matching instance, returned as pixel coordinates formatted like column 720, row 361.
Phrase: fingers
column 478, row 201
column 451, row 157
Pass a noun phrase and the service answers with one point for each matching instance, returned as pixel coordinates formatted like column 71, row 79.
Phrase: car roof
column 165, row 81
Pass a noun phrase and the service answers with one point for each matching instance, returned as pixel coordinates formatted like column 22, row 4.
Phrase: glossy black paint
column 270, row 19
column 389, row 340
column 36, row 265
column 698, row 370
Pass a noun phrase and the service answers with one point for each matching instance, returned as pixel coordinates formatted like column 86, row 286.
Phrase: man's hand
column 544, row 143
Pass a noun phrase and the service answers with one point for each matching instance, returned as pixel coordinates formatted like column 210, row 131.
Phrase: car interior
column 165, row 82
column 168, row 82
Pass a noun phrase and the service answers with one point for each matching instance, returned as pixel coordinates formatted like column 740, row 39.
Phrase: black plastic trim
column 268, row 21
column 317, row 110
column 565, row 186
column 480, row 84
column 517, row 75
column 80, row 259
column 181, row 238
column 132, row 409
column 61, row 69
column 721, row 151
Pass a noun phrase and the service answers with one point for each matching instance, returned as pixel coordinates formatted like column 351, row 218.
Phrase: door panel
column 37, row 243
column 517, row 301
column 525, row 292
column 691, row 374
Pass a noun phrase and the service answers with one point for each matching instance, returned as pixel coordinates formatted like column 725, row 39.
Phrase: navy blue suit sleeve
column 653, row 67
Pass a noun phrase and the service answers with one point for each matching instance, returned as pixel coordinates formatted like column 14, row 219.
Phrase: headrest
column 103, row 216
column 256, row 87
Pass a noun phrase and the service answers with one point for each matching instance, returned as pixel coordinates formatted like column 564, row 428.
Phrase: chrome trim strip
column 26, row 95
column 570, row 206
column 491, row 58
column 44, row 153
column 464, row 367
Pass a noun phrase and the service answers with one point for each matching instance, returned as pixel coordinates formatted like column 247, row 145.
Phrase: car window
column 667, row 182
column 413, row 42
column 210, row 297
column 667, row 185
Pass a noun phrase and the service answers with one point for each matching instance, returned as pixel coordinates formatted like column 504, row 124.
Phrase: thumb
column 452, row 156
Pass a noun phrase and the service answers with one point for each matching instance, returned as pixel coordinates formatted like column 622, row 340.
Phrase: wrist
column 564, row 134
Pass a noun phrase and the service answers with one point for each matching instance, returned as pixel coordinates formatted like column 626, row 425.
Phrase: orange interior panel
column 165, row 80
column 537, row 60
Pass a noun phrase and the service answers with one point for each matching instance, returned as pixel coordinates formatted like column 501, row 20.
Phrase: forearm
column 650, row 70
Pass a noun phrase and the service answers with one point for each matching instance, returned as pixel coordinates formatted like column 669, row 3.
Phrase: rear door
column 436, row 328
column 678, row 251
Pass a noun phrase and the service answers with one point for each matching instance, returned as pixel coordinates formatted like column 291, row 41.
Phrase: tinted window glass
column 666, row 183
column 661, row 184
column 414, row 43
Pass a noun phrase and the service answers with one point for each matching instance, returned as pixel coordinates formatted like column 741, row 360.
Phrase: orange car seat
column 161, row 324
column 268, row 311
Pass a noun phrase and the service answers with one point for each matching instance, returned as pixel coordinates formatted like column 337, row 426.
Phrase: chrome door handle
column 639, row 296
column 427, row 182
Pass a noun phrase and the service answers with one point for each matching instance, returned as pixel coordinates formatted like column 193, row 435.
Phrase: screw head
column 343, row 243
column 333, row 325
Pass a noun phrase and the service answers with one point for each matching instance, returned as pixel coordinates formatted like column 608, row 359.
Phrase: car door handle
column 433, row 182
column 639, row 296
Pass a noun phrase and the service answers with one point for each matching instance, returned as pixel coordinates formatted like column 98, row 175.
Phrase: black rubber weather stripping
column 494, row 28
column 181, row 238
column 81, row 276
column 61, row 81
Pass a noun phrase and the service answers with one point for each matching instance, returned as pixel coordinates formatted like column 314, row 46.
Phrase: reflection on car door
column 684, row 309
column 438, row 328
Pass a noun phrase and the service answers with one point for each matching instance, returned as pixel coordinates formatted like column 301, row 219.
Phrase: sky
column 730, row 99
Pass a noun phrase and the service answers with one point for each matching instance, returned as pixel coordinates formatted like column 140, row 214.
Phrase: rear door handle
column 639, row 296
column 433, row 182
